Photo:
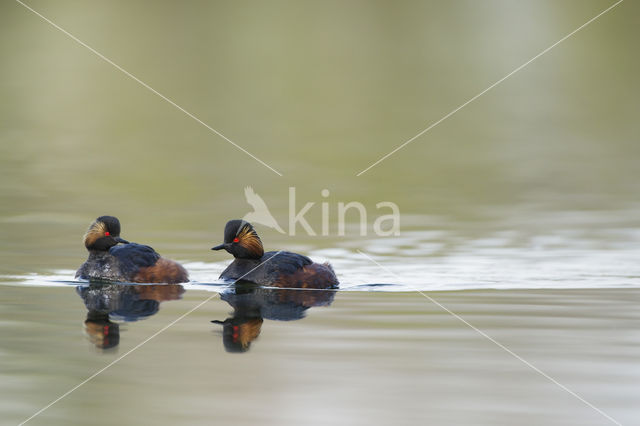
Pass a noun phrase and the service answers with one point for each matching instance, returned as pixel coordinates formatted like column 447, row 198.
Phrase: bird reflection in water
column 252, row 304
column 108, row 303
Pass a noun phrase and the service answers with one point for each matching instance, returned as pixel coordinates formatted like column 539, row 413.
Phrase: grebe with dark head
column 113, row 259
column 273, row 268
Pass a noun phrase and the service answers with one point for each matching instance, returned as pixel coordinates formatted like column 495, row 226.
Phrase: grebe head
column 241, row 240
column 103, row 234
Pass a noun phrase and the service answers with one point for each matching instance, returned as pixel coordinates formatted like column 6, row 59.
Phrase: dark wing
column 134, row 256
column 267, row 269
column 284, row 262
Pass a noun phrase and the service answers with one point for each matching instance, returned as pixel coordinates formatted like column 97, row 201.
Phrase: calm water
column 367, row 358
column 520, row 212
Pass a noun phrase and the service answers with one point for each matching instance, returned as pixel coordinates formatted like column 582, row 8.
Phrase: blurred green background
column 319, row 91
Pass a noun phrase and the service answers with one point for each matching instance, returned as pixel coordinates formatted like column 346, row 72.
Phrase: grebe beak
column 220, row 247
column 120, row 240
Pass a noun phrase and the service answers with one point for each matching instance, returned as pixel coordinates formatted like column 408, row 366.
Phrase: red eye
column 235, row 240
column 106, row 234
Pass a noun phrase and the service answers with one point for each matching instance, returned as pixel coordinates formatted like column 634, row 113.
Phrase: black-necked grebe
column 286, row 269
column 128, row 262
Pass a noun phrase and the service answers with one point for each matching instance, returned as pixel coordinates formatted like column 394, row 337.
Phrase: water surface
column 368, row 358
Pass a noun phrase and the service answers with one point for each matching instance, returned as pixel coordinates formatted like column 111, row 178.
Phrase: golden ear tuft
column 96, row 230
column 249, row 239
